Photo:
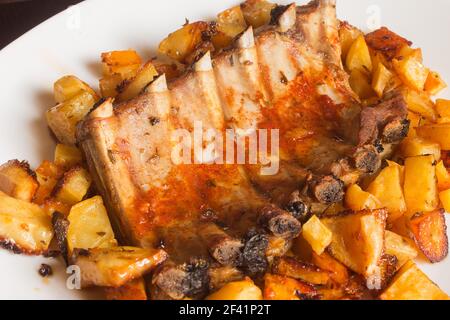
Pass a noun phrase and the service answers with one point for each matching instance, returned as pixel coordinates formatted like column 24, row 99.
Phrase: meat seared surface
column 286, row 76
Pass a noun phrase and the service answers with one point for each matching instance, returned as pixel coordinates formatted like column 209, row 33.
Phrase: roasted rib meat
column 286, row 76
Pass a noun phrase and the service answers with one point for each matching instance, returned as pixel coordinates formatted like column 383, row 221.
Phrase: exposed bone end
column 279, row 222
column 159, row 85
column 220, row 276
column 254, row 253
column 246, row 40
column 284, row 17
column 327, row 189
column 222, row 247
column 395, row 131
column 204, row 63
column 367, row 159
column 299, row 207
column 103, row 110
column 181, row 281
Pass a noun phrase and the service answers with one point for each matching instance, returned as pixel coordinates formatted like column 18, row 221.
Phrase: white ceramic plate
column 71, row 42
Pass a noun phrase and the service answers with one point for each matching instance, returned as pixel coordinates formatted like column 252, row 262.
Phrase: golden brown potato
column 348, row 35
column 415, row 121
column 356, row 199
column 292, row 268
column 443, row 108
column 134, row 290
column 439, row 133
column 283, row 288
column 358, row 57
column 430, row 234
column 412, row 147
column 239, row 290
column 388, row 189
column 47, row 175
column 381, row 78
column 181, row 43
column 24, row 227
column 109, row 85
column 133, row 87
column 443, row 176
column 411, row 283
column 114, row 267
column 400, row 247
column 230, row 23
column 64, row 117
column 124, row 63
column 67, row 157
column 420, row 102
column 338, row 272
column 257, row 12
column 412, row 72
column 18, row 180
column 358, row 240
column 90, row 226
column 317, row 235
column 360, row 84
column 420, row 188
column 69, row 87
column 73, row 186
column 52, row 205
column 434, row 83
column 444, row 196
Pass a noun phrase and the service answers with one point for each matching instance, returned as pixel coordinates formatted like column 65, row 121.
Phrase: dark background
column 19, row 16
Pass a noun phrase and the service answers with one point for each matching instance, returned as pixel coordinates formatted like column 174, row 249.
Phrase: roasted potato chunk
column 64, row 117
column 52, row 205
column 411, row 283
column 229, row 24
column 387, row 42
column 114, row 267
column 124, row 63
column 439, row 133
column 443, row 176
column 133, row 290
column 292, row 268
column 412, row 147
column 412, row 72
column 358, row 57
column 239, row 290
column 400, row 247
column 24, row 227
column 109, row 85
column 317, row 235
column 257, row 12
column 443, row 108
column 348, row 35
column 358, row 240
column 90, row 226
column 360, row 84
column 434, row 83
column 388, row 189
column 73, row 186
column 283, row 288
column 356, row 199
column 133, row 87
column 67, row 157
column 444, row 196
column 181, row 43
column 420, row 102
column 429, row 231
column 421, row 194
column 380, row 79
column 338, row 272
column 69, row 87
column 18, row 180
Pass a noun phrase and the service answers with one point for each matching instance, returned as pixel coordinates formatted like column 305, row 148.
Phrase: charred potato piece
column 239, row 290
column 284, row 288
column 429, row 231
column 358, row 240
column 132, row 87
column 114, row 267
column 64, row 117
column 400, row 247
column 410, row 283
column 292, row 268
column 24, row 227
column 386, row 42
column 229, row 24
column 439, row 133
column 338, row 272
column 73, row 186
column 133, row 290
column 90, row 226
column 47, row 175
column 18, row 180
column 257, row 12
column 67, row 157
column 420, row 186
column 317, row 235
column 69, row 87
column 181, row 43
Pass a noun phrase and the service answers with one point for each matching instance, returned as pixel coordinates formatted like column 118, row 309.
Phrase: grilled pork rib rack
column 218, row 221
